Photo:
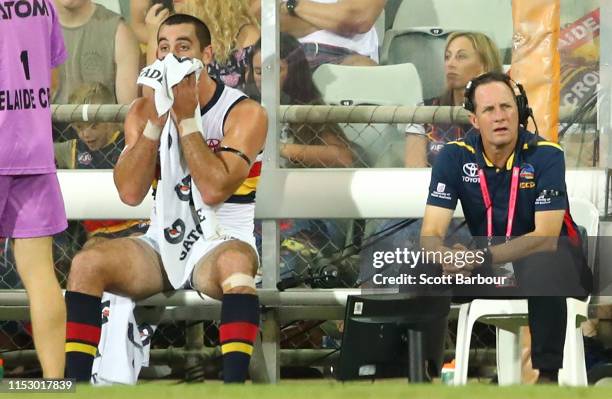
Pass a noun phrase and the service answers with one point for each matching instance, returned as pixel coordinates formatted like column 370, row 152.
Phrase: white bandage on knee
column 238, row 280
column 152, row 131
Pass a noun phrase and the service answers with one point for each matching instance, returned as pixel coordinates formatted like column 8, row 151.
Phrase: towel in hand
column 180, row 226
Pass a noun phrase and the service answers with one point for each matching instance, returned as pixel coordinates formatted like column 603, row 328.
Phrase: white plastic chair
column 424, row 48
column 420, row 29
column 461, row 15
column 399, row 84
column 380, row 85
column 379, row 25
column 508, row 315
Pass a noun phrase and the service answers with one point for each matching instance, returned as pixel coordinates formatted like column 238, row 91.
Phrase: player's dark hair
column 201, row 30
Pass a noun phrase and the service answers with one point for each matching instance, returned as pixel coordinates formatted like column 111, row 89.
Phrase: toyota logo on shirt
column 470, row 172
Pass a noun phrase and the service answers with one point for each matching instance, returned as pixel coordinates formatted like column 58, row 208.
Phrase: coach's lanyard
column 489, row 204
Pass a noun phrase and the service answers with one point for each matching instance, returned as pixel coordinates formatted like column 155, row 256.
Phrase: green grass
column 329, row 389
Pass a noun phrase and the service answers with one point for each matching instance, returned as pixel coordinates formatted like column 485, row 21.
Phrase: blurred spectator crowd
column 340, row 52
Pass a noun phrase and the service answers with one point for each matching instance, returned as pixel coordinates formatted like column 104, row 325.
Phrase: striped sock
column 237, row 333
column 82, row 334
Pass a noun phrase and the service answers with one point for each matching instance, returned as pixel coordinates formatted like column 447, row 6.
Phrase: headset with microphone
column 520, row 96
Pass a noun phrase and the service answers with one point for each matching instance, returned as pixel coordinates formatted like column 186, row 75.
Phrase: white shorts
column 200, row 249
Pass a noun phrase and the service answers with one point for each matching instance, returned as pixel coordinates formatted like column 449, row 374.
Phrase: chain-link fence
column 317, row 253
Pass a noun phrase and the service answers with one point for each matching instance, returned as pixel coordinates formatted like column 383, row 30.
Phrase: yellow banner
column 535, row 59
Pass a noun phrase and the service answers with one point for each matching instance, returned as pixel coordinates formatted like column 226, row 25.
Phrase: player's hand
column 185, row 99
column 151, row 113
column 155, row 16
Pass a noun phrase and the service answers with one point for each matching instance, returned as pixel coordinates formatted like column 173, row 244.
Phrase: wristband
column 152, row 131
column 188, row 126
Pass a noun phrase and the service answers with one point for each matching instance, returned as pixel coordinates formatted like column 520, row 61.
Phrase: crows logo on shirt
column 176, row 232
column 527, row 175
column 213, row 144
column 527, row 172
column 85, row 158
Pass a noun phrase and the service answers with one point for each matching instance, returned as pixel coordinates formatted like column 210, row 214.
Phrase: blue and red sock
column 237, row 333
column 82, row 334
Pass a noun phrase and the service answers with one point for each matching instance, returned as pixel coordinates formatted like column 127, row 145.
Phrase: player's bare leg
column 123, row 266
column 227, row 273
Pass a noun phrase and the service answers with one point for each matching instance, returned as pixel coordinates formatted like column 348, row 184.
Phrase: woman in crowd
column 466, row 55
column 233, row 30
column 305, row 145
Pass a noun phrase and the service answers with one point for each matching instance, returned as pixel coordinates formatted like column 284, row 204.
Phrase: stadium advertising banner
column 535, row 59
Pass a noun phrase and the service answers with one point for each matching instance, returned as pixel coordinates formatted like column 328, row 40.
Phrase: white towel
column 174, row 190
column 124, row 345
column 164, row 74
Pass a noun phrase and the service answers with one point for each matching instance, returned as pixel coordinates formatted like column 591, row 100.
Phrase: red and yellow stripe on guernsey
column 82, row 338
column 237, row 337
column 246, row 192
column 108, row 226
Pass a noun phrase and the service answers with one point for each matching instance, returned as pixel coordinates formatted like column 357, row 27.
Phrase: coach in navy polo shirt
column 511, row 184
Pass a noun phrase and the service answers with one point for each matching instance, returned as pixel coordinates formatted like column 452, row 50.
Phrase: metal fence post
column 270, row 235
column 194, row 341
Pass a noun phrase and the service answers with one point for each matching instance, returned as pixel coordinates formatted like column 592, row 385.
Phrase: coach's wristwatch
column 291, row 4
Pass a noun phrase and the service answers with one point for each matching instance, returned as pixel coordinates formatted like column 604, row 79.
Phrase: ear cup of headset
column 467, row 97
column 522, row 103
